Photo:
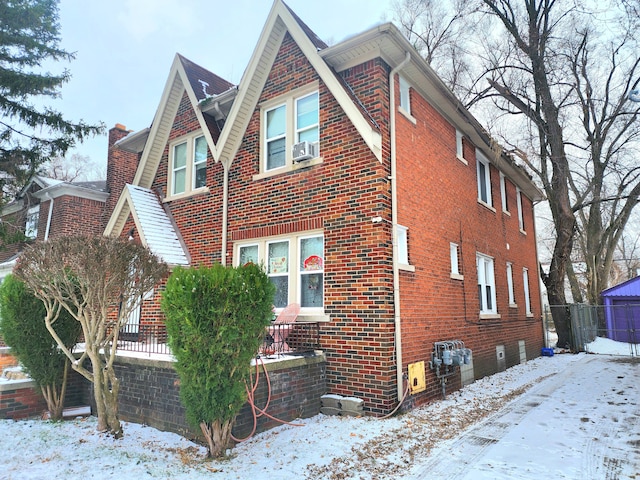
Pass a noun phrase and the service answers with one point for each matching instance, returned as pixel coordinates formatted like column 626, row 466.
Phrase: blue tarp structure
column 622, row 311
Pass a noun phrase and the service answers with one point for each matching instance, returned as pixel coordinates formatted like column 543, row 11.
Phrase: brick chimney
column 121, row 168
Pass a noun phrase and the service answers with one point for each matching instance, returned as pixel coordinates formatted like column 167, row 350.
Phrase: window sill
column 410, row 117
column 313, row 318
column 487, row 206
column 456, row 276
column 289, row 168
column 506, row 212
column 490, row 316
column 529, row 314
column 188, row 194
column 523, row 232
column 462, row 159
column 513, row 305
column 406, row 268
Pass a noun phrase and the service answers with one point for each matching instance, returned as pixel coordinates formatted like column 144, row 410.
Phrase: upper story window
column 31, row 224
column 287, row 123
column 403, row 245
column 486, row 284
column 459, row 146
column 294, row 264
column 520, row 211
column 503, row 193
column 405, row 98
column 454, row 252
column 188, row 165
column 484, row 179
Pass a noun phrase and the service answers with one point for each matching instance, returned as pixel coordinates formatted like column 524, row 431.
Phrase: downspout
column 394, row 224
column 225, row 212
column 46, row 232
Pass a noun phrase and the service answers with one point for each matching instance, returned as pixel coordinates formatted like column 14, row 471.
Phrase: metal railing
column 279, row 339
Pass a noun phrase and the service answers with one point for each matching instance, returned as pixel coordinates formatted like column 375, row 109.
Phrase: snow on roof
column 156, row 228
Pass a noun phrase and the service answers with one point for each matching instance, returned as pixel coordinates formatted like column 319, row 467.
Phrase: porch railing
column 279, row 339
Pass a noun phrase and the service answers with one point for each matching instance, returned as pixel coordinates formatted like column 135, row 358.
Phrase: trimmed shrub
column 216, row 319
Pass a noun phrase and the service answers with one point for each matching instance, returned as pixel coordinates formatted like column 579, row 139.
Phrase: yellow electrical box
column 417, row 381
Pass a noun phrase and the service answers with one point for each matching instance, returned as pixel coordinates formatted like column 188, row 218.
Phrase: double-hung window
column 188, row 165
column 286, row 123
column 484, row 179
column 294, row 264
column 486, row 284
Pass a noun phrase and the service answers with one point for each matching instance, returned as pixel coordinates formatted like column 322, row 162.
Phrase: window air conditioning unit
column 305, row 151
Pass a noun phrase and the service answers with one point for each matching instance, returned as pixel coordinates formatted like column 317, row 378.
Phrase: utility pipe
column 394, row 223
column 225, row 211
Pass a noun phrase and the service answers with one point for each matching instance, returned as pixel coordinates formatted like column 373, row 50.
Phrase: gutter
column 394, row 224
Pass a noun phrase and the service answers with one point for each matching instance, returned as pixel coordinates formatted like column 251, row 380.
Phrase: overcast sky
column 124, row 49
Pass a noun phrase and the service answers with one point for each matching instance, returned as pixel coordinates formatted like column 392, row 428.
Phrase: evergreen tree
column 29, row 36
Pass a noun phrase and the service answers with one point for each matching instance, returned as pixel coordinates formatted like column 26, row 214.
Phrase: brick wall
column 21, row 400
column 121, row 168
column 150, row 394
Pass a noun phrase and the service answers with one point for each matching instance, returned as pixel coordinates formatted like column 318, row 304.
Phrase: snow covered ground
column 561, row 417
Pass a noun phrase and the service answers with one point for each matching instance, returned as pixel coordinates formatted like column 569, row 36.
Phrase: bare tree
column 99, row 281
column 74, row 168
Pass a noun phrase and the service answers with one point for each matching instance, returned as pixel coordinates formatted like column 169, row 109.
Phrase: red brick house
column 372, row 197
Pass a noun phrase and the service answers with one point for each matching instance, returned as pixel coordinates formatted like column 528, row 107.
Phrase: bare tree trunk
column 218, row 436
column 55, row 399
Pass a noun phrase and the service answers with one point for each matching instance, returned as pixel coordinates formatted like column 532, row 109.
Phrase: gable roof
column 280, row 21
column 157, row 231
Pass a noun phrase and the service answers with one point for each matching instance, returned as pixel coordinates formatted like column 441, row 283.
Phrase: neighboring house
column 48, row 208
column 369, row 193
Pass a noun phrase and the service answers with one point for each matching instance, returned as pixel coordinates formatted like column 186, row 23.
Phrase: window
column 520, row 212
column 527, row 298
column 484, row 179
column 512, row 298
column 486, row 284
column 455, row 266
column 188, row 165
column 459, row 146
column 405, row 98
column 286, row 123
column 295, row 265
column 31, row 224
column 503, row 193
column 403, row 245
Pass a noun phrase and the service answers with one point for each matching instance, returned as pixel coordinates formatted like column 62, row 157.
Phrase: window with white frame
column 484, row 179
column 486, row 284
column 503, row 193
column 512, row 297
column 403, row 245
column 294, row 264
column 527, row 297
column 405, row 97
column 31, row 224
column 288, row 122
column 520, row 212
column 188, row 165
column 455, row 265
column 459, row 146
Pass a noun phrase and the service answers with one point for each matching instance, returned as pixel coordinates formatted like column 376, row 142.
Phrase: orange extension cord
column 255, row 410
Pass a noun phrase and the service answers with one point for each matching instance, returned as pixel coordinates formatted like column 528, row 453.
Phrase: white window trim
column 294, row 294
column 31, row 222
column 455, row 264
column 520, row 211
column 402, row 240
column 404, row 103
column 503, row 194
column 510, row 288
column 481, row 159
column 527, row 293
column 460, row 147
column 289, row 101
column 189, row 181
column 486, row 278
